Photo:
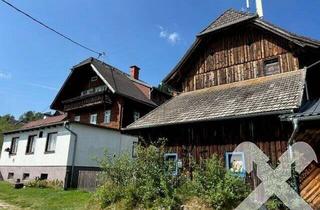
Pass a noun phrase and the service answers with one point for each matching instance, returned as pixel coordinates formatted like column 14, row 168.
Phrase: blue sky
column 154, row 35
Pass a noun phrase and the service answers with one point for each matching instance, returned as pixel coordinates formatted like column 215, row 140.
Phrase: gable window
column 31, row 144
column 77, row 118
column 51, row 142
column 14, row 145
column 93, row 79
column 271, row 67
column 107, row 116
column 235, row 162
column 136, row 115
column 93, row 119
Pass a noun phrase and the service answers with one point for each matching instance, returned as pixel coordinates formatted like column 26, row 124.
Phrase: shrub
column 218, row 188
column 38, row 183
column 147, row 183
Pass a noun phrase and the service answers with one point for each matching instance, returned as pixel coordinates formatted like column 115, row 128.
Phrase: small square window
column 107, row 116
column 40, row 134
column 271, row 66
column 235, row 162
column 136, row 115
column 51, row 142
column 31, row 144
column 93, row 119
column 93, row 79
column 77, row 118
column 43, row 176
column 10, row 175
column 25, row 176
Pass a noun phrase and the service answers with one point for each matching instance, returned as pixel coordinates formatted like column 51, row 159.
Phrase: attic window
column 271, row 66
column 93, row 79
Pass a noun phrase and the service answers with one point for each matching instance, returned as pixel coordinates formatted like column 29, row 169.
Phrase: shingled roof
column 117, row 81
column 276, row 94
column 233, row 17
column 228, row 18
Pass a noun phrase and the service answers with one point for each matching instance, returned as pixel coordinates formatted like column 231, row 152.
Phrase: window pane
column 107, row 116
column 31, row 144
column 14, row 145
column 51, row 144
column 93, row 119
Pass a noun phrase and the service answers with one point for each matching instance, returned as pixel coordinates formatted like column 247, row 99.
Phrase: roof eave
column 35, row 127
column 276, row 112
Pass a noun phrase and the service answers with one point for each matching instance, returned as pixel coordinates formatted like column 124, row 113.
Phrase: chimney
column 259, row 8
column 134, row 72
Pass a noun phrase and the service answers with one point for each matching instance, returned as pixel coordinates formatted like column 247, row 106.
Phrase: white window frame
column 168, row 157
column 93, row 119
column 107, row 116
column 51, row 142
column 77, row 118
column 14, row 145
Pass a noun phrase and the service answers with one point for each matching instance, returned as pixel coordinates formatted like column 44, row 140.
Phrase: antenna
column 259, row 8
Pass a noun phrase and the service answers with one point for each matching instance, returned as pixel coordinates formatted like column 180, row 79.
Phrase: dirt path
column 4, row 205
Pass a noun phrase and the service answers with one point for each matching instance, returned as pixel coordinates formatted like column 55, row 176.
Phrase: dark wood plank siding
column 235, row 56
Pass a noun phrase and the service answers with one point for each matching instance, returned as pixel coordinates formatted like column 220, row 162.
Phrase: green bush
column 146, row 183
column 38, row 183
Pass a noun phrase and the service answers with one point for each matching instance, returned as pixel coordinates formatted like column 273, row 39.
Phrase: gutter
column 291, row 141
column 66, row 126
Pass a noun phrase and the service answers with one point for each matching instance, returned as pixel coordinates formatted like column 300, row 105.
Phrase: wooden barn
column 243, row 79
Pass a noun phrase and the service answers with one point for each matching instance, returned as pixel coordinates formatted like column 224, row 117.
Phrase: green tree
column 7, row 123
column 30, row 116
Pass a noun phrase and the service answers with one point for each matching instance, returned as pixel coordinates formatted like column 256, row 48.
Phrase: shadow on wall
column 1, row 178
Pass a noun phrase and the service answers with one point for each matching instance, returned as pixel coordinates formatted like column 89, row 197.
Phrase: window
column 271, row 67
column 107, row 116
column 40, row 134
column 171, row 163
column 93, row 79
column 10, row 175
column 93, row 119
column 25, row 176
column 51, row 142
column 235, row 162
column 43, row 176
column 31, row 144
column 136, row 115
column 77, row 118
column 14, row 145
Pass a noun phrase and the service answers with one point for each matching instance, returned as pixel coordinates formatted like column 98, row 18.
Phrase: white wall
column 93, row 141
column 39, row 158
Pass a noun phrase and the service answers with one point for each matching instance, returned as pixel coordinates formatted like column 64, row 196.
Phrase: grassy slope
column 35, row 198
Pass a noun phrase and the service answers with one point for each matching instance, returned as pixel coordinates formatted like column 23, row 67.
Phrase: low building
column 56, row 149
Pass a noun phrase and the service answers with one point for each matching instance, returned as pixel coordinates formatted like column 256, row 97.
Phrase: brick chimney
column 134, row 72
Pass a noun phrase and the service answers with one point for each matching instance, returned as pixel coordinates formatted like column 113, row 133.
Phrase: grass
column 45, row 198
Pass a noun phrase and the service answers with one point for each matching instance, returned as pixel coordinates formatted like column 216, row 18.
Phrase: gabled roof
column 229, row 17
column 276, row 94
column 117, row 81
column 44, row 122
column 233, row 17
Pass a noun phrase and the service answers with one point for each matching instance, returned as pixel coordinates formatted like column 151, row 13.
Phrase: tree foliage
column 30, row 116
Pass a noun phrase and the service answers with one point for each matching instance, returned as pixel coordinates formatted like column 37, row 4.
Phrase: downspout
column 66, row 126
column 291, row 141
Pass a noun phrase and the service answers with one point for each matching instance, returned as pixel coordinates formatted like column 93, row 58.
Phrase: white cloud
column 171, row 37
column 43, row 86
column 174, row 37
column 5, row 75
